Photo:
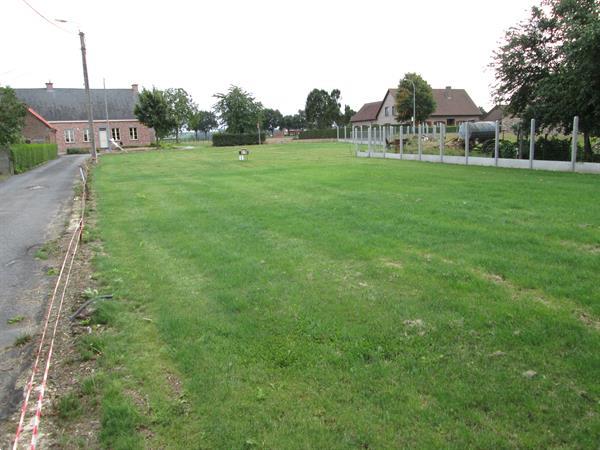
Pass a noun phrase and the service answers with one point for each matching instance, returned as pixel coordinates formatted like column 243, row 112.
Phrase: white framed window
column 133, row 135
column 86, row 135
column 387, row 111
column 69, row 135
column 115, row 133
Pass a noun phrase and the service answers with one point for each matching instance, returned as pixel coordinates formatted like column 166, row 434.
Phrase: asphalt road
column 33, row 210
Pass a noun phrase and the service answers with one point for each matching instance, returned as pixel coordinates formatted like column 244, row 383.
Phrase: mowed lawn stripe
column 310, row 299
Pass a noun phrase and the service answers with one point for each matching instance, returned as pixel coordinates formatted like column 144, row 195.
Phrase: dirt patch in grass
column 519, row 293
column 392, row 264
column 593, row 249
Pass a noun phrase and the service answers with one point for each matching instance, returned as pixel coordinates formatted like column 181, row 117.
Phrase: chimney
column 49, row 86
column 134, row 88
column 448, row 92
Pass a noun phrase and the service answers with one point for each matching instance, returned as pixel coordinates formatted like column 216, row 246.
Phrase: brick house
column 65, row 110
column 453, row 106
column 37, row 129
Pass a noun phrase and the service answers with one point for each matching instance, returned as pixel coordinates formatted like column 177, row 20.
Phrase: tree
column 322, row 109
column 180, row 105
column 424, row 102
column 201, row 121
column 152, row 110
column 272, row 119
column 12, row 116
column 348, row 113
column 547, row 67
column 238, row 110
column 295, row 121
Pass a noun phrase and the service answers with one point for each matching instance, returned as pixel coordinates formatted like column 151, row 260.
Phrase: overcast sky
column 278, row 50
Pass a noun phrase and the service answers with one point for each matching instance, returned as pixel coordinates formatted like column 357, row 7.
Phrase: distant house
column 453, row 106
column 507, row 121
column 65, row 111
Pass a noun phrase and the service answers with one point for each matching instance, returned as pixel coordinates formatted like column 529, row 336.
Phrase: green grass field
column 309, row 299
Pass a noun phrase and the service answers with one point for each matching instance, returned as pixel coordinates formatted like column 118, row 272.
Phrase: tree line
column 237, row 111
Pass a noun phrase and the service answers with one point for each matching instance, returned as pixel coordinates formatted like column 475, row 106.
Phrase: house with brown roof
column 453, row 107
column 499, row 113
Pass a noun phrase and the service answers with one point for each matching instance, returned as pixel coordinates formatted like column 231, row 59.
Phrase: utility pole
column 106, row 112
column 89, row 98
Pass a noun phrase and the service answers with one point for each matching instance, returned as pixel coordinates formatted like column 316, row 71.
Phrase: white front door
column 103, row 138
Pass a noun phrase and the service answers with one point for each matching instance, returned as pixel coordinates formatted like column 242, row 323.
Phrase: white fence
column 376, row 141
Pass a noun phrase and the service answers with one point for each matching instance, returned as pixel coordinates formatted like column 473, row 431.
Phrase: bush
column 506, row 149
column 553, row 149
column 230, row 139
column 26, row 156
column 329, row 133
column 77, row 151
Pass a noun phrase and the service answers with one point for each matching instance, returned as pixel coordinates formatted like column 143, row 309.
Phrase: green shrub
column 329, row 133
column 552, row 149
column 506, row 149
column 77, row 151
column 229, row 139
column 26, row 156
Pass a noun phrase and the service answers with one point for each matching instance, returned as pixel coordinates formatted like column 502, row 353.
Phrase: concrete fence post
column 337, row 131
column 496, row 143
column 401, row 141
column 441, row 139
column 531, row 143
column 467, row 137
column 345, row 137
column 369, row 131
column 383, row 139
column 574, row 142
column 419, row 143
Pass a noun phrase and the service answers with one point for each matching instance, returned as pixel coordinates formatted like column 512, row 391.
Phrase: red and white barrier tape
column 38, row 409
column 77, row 234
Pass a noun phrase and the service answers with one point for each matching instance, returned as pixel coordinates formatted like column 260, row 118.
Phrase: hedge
column 26, row 156
column 230, row 139
column 329, row 133
column 77, row 151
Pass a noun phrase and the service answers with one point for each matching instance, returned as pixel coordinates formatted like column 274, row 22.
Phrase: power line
column 51, row 22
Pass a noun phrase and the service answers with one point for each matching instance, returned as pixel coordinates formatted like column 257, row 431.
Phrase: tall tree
column 295, row 121
column 12, row 117
column 322, row 108
column 238, row 110
column 152, row 110
column 424, row 102
column 180, row 105
column 202, row 121
column 348, row 113
column 547, row 67
column 272, row 119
